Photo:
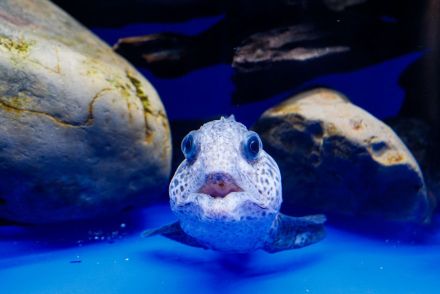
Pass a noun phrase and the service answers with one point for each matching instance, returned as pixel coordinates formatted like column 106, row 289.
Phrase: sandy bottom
column 109, row 256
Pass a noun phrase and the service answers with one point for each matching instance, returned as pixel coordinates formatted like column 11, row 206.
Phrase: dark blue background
column 206, row 93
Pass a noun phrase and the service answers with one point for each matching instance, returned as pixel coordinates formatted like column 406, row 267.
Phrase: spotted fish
column 227, row 195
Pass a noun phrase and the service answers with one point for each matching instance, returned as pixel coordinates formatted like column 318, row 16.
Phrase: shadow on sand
column 222, row 270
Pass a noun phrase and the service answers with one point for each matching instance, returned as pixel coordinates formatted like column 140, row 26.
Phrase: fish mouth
column 219, row 185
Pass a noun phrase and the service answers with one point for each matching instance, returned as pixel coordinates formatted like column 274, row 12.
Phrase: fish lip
column 219, row 185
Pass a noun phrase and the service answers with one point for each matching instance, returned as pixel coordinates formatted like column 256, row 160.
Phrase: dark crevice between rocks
column 3, row 221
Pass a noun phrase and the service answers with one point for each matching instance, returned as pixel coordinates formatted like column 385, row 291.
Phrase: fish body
column 227, row 195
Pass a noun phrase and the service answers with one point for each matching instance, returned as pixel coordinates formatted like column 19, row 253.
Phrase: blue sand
column 51, row 260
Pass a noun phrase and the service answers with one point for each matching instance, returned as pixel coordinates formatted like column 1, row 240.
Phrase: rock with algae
column 337, row 158
column 82, row 133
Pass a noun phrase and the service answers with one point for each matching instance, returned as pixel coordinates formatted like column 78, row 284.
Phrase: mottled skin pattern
column 227, row 195
column 240, row 221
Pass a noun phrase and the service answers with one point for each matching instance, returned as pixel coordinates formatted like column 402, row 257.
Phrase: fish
column 227, row 194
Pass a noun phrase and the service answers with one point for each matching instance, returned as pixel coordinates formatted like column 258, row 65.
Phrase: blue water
column 109, row 256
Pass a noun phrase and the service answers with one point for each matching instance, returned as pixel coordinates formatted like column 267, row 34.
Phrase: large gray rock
column 336, row 157
column 82, row 133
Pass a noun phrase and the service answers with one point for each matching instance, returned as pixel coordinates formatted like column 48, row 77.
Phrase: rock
column 82, row 133
column 267, row 42
column 415, row 134
column 418, row 122
column 264, row 50
column 267, row 63
column 419, row 137
column 337, row 158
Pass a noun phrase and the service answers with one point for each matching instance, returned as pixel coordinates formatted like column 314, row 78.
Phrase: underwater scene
column 190, row 146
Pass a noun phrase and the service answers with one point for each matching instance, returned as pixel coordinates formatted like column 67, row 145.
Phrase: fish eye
column 252, row 146
column 188, row 146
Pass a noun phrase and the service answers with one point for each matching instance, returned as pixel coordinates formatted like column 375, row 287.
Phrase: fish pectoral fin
column 295, row 232
column 174, row 232
column 164, row 230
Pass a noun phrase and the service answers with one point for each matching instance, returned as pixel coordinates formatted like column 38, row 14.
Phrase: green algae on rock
column 337, row 158
column 82, row 132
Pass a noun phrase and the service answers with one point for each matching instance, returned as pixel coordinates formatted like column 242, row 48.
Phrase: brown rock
column 335, row 157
